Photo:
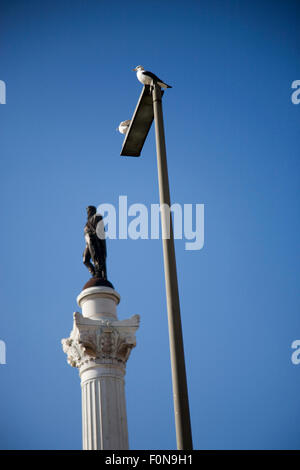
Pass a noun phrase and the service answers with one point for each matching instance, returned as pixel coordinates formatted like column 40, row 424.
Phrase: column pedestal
column 99, row 346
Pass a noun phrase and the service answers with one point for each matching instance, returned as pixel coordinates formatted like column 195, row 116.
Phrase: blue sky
column 233, row 145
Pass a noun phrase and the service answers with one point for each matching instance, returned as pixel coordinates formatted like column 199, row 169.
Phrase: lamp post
column 149, row 107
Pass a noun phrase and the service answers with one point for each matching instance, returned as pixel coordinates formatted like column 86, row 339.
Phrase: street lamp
column 149, row 107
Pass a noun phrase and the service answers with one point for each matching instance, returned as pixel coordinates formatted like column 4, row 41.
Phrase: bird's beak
column 134, row 70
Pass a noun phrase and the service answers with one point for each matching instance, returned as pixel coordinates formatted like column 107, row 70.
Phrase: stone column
column 99, row 346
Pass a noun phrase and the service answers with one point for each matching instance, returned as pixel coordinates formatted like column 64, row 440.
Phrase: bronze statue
column 95, row 248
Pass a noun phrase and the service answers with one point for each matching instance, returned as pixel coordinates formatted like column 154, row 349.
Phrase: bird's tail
column 164, row 85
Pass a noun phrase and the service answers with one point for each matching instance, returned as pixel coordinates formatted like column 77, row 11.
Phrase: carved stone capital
column 102, row 341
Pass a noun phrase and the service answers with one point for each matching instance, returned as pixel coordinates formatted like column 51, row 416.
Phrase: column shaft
column 104, row 419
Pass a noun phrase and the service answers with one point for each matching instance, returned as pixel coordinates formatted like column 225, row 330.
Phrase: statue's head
column 91, row 210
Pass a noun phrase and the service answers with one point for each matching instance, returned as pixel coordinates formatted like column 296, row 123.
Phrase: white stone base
column 99, row 302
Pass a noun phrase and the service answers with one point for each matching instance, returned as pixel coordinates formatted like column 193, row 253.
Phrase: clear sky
column 233, row 145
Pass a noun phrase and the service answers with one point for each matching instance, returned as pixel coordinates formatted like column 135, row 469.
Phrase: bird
column 146, row 77
column 124, row 126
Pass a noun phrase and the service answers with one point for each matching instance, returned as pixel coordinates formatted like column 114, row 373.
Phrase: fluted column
column 99, row 346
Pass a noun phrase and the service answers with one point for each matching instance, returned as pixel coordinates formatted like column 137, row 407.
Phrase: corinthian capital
column 104, row 341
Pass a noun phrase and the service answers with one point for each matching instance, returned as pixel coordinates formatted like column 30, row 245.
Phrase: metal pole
column 180, row 392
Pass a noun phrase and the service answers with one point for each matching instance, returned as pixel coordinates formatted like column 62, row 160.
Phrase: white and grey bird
column 146, row 77
column 123, row 126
